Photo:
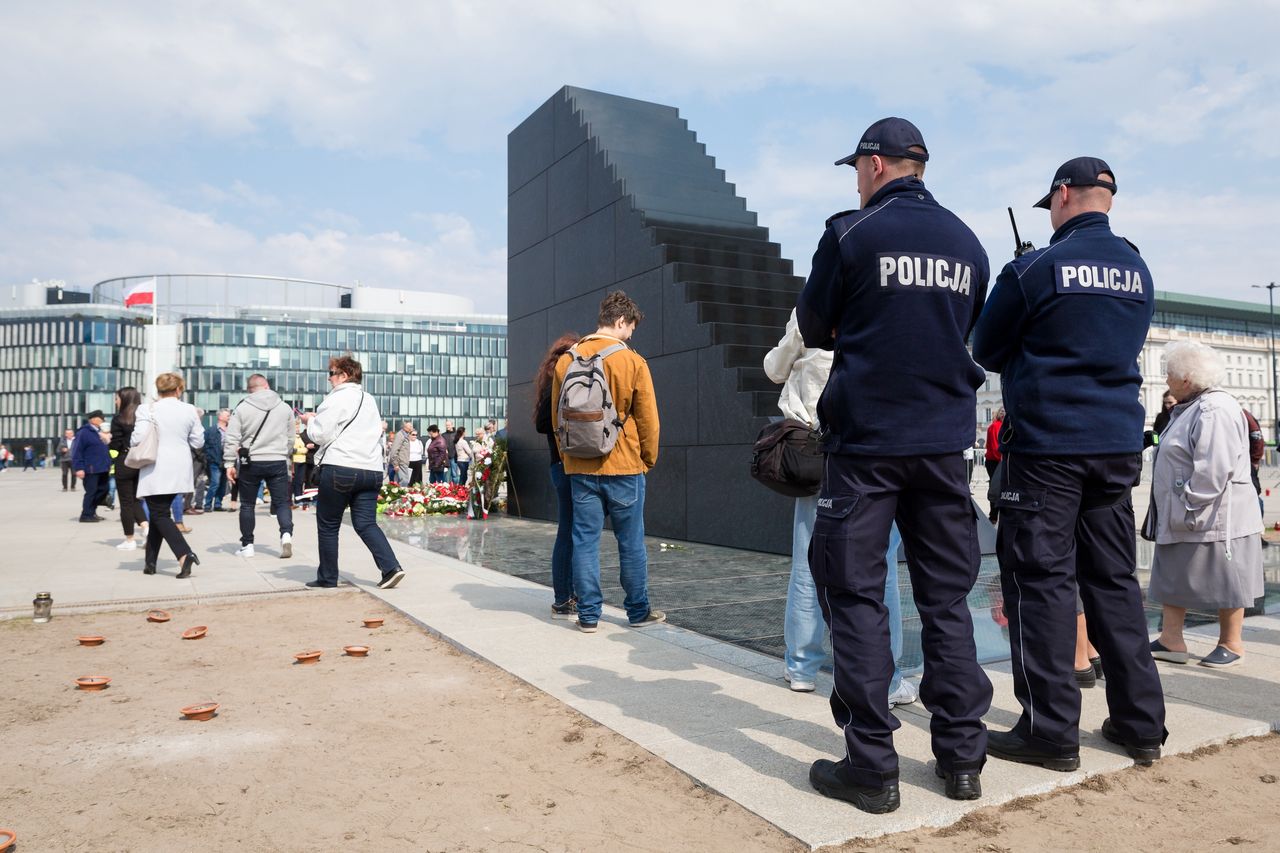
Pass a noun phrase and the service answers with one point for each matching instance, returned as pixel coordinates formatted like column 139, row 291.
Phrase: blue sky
column 341, row 142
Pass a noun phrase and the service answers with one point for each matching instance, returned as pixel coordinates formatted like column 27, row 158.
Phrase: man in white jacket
column 255, row 450
column 803, row 373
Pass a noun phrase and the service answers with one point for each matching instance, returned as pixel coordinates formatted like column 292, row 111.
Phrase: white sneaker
column 286, row 545
column 245, row 551
column 128, row 545
column 799, row 685
column 906, row 694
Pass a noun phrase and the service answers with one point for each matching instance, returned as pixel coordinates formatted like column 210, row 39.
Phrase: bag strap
column 325, row 449
column 253, row 442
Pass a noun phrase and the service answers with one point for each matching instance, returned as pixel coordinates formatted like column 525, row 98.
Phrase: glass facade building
column 425, row 369
column 61, row 361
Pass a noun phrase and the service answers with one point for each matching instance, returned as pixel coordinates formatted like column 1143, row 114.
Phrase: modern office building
column 426, row 356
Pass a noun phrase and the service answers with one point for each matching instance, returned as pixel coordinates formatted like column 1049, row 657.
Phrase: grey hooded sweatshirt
column 274, row 443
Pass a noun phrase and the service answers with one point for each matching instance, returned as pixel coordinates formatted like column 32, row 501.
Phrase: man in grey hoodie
column 256, row 450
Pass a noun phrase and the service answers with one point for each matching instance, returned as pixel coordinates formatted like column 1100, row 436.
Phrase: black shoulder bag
column 787, row 458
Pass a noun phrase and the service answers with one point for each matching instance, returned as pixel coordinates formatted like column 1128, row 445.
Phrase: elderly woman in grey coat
column 1208, row 555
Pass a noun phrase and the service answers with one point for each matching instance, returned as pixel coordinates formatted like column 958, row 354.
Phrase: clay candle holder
column 7, row 837
column 203, row 711
column 158, row 616
column 92, row 682
column 91, row 641
column 195, row 633
column 356, row 651
column 374, row 623
column 308, row 657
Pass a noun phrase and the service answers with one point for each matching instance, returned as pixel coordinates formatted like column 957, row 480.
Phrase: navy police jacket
column 1063, row 328
column 894, row 289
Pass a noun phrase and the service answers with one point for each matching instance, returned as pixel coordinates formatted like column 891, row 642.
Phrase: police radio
column 1020, row 247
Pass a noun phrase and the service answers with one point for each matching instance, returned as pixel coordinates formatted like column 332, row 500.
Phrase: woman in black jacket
column 564, row 605
column 131, row 514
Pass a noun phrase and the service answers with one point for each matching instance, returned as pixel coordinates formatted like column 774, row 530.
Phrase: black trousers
column 68, row 475
column 929, row 497
column 1066, row 525
column 131, row 513
column 95, row 493
column 415, row 472
column 276, row 476
column 162, row 529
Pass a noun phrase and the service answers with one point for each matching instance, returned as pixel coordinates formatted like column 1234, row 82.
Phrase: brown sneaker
column 653, row 617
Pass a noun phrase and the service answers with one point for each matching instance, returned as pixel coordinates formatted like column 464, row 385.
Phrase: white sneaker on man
column 286, row 545
column 245, row 551
column 129, row 544
column 906, row 694
column 799, row 685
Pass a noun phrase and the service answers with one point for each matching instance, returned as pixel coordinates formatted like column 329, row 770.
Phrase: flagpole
column 155, row 330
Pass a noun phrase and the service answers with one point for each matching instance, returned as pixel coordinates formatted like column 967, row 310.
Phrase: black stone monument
column 606, row 192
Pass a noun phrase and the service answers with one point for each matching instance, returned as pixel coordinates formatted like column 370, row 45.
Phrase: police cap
column 1080, row 172
column 890, row 137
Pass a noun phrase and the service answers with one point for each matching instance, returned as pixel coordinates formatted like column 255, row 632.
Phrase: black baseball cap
column 1080, row 172
column 96, row 413
column 890, row 137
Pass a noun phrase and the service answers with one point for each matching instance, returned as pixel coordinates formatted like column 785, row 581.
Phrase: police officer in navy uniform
column 1063, row 327
column 894, row 290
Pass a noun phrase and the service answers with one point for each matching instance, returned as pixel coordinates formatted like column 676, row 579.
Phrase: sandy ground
column 421, row 747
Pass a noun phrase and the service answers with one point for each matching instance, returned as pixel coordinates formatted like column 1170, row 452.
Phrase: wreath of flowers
column 417, row 500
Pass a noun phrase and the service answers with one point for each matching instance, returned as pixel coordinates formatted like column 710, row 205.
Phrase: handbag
column 787, row 458
column 145, row 452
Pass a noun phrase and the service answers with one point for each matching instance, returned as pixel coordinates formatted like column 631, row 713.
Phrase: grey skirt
column 1198, row 575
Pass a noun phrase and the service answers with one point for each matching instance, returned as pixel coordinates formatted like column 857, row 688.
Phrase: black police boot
column 1011, row 747
column 962, row 784
column 831, row 779
column 1140, row 754
column 1086, row 678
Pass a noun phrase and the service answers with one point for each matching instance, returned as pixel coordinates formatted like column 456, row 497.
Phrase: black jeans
column 68, row 475
column 301, row 470
column 130, row 507
column 95, row 492
column 415, row 472
column 276, row 476
column 342, row 487
column 162, row 529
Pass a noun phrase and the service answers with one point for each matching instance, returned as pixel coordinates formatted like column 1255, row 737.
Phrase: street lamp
column 1275, row 397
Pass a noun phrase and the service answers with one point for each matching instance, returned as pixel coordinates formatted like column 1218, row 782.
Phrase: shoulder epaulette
column 833, row 217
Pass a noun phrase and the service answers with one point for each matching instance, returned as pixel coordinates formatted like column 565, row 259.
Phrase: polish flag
column 142, row 293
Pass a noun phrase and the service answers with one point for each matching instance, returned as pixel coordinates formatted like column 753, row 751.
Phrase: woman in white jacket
column 803, row 374
column 348, row 430
column 1208, row 554
column 179, row 432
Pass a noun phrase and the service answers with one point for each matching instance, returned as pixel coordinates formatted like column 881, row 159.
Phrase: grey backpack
column 587, row 422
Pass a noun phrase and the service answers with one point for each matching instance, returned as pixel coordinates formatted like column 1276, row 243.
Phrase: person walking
column 463, row 449
column 178, row 433
column 122, row 422
column 437, row 455
column 256, row 450
column 65, row 445
column 214, row 438
column 612, row 484
column 92, row 464
column 346, row 428
column 900, row 275
column 564, row 604
column 1204, row 512
column 1063, row 328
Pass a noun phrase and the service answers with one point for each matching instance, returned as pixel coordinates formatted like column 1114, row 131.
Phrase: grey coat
column 1200, row 485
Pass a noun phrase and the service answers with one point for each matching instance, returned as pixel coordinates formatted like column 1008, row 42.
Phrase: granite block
column 584, row 255
column 603, row 186
column 527, row 215
column 634, row 249
column 531, row 146
column 567, row 189
column 526, row 344
column 681, row 330
column 731, row 508
column 531, row 279
column 664, row 500
column 724, row 413
column 570, row 132
column 675, row 383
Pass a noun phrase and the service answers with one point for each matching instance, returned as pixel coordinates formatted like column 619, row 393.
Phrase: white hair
column 1196, row 363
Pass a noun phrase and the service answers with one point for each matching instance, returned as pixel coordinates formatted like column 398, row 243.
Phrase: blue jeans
column 803, row 627
column 621, row 497
column 217, row 487
column 440, row 476
column 462, row 472
column 253, row 477
column 562, row 551
column 453, row 471
column 342, row 487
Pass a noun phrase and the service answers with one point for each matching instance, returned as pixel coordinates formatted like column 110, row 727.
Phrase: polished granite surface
column 732, row 595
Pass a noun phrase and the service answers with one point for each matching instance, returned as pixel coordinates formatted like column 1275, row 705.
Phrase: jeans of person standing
column 68, row 476
column 803, row 627
column 621, row 497
column 163, row 528
column 440, row 476
column 462, row 471
column 453, row 471
column 217, row 488
column 301, row 471
column 95, row 489
column 253, row 475
column 562, row 551
column 111, row 490
column 342, row 487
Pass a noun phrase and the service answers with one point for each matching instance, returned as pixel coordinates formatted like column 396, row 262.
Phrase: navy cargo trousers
column 1066, row 523
column 929, row 497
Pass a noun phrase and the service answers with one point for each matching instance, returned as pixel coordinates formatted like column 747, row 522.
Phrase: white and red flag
column 142, row 293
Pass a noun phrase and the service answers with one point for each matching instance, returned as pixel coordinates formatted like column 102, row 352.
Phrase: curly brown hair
column 618, row 306
column 348, row 365
column 546, row 370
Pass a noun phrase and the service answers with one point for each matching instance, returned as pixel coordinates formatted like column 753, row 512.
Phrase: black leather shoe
column 91, row 519
column 320, row 585
column 149, row 569
column 1011, row 747
column 963, row 785
column 829, row 778
column 1086, row 678
column 187, row 562
column 1143, row 755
